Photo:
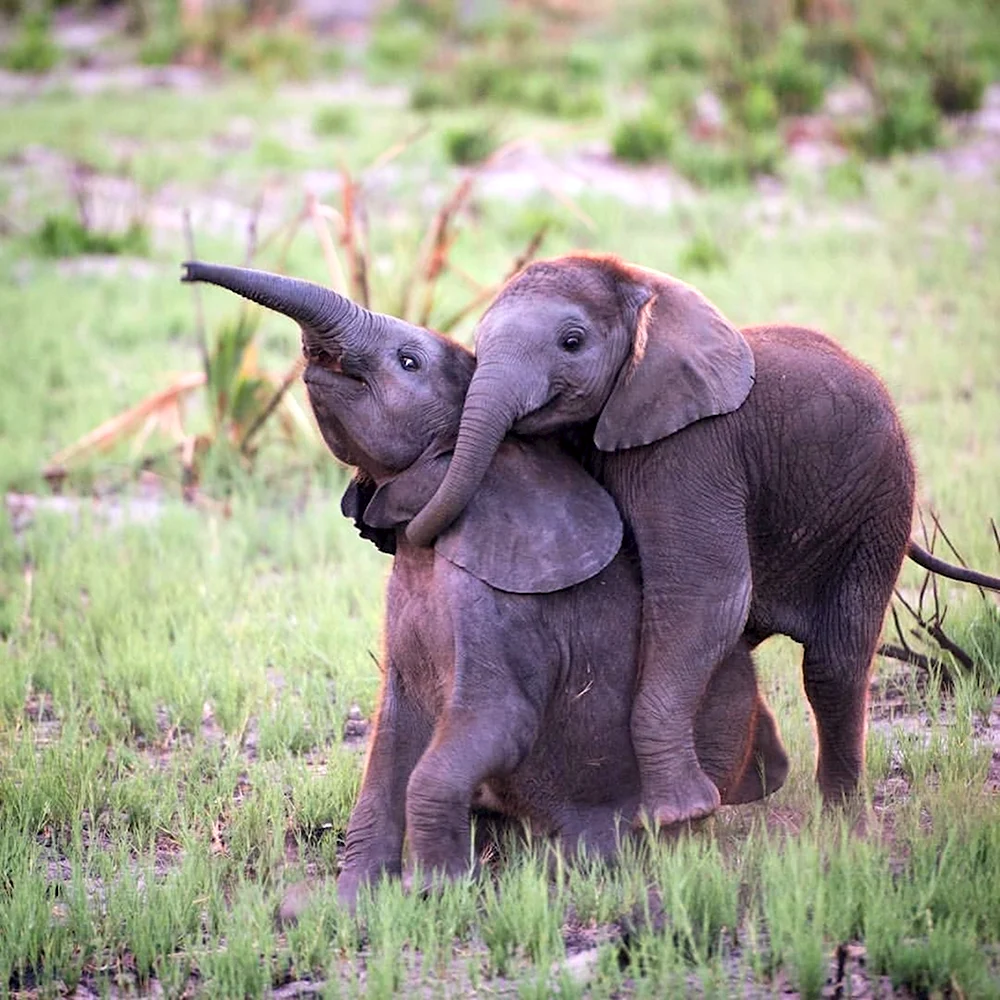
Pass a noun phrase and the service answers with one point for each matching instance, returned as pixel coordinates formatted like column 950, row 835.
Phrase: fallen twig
column 906, row 655
column 112, row 430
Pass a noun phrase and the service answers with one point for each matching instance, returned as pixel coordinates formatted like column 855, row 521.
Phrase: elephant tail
column 931, row 562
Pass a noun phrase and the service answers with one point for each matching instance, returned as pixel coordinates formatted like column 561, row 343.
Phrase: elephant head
column 384, row 392
column 388, row 399
column 581, row 339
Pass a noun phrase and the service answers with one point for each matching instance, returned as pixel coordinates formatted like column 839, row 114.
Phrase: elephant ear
column 538, row 522
column 398, row 500
column 353, row 503
column 688, row 362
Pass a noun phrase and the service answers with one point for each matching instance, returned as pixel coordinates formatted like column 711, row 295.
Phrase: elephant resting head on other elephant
column 510, row 646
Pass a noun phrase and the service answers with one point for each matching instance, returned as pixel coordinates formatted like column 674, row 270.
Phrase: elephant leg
column 735, row 734
column 470, row 744
column 836, row 667
column 693, row 616
column 767, row 768
column 375, row 831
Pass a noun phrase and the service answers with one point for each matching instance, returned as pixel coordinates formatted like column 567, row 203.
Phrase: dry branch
column 906, row 655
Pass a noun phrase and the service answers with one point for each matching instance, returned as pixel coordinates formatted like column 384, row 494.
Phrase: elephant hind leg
column 836, row 670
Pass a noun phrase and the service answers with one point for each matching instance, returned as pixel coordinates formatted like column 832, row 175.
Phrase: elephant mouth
column 539, row 420
column 322, row 363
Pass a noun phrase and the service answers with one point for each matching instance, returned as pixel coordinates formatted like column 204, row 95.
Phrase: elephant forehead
column 582, row 280
column 518, row 319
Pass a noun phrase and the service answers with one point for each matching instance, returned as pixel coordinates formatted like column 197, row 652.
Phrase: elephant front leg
column 471, row 743
column 686, row 632
column 375, row 831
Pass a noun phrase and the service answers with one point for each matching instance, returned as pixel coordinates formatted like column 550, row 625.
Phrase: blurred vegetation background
column 189, row 626
column 644, row 66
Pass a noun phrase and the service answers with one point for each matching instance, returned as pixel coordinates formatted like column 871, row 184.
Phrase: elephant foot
column 693, row 800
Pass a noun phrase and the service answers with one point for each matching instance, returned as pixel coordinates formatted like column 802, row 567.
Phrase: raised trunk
column 490, row 411
column 317, row 310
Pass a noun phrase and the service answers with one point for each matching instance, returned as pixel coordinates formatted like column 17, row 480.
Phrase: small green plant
column 272, row 54
column 793, row 80
column 646, row 137
column 906, row 120
column 399, row 44
column 161, row 46
column 676, row 94
column 584, row 63
column 702, row 253
column 669, row 52
column 712, row 164
column 798, row 82
column 63, row 235
column 33, row 50
column 550, row 95
column 335, row 119
column 271, row 152
column 846, row 180
column 759, row 109
column 469, row 144
column 434, row 92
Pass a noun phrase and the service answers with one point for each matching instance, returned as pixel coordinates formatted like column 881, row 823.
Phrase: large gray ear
column 688, row 362
column 397, row 501
column 353, row 503
column 538, row 522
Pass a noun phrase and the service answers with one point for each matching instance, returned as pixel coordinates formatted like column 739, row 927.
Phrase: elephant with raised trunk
column 511, row 646
column 764, row 472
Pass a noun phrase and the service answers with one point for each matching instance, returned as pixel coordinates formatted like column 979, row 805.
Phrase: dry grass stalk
column 319, row 217
column 395, row 150
column 352, row 242
column 156, row 407
column 525, row 257
column 283, row 385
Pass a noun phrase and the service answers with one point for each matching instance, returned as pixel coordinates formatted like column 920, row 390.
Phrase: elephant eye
column 571, row 342
column 408, row 362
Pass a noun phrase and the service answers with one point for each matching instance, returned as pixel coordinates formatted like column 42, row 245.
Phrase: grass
column 174, row 692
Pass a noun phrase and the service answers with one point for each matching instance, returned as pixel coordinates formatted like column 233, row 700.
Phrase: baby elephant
column 510, row 646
